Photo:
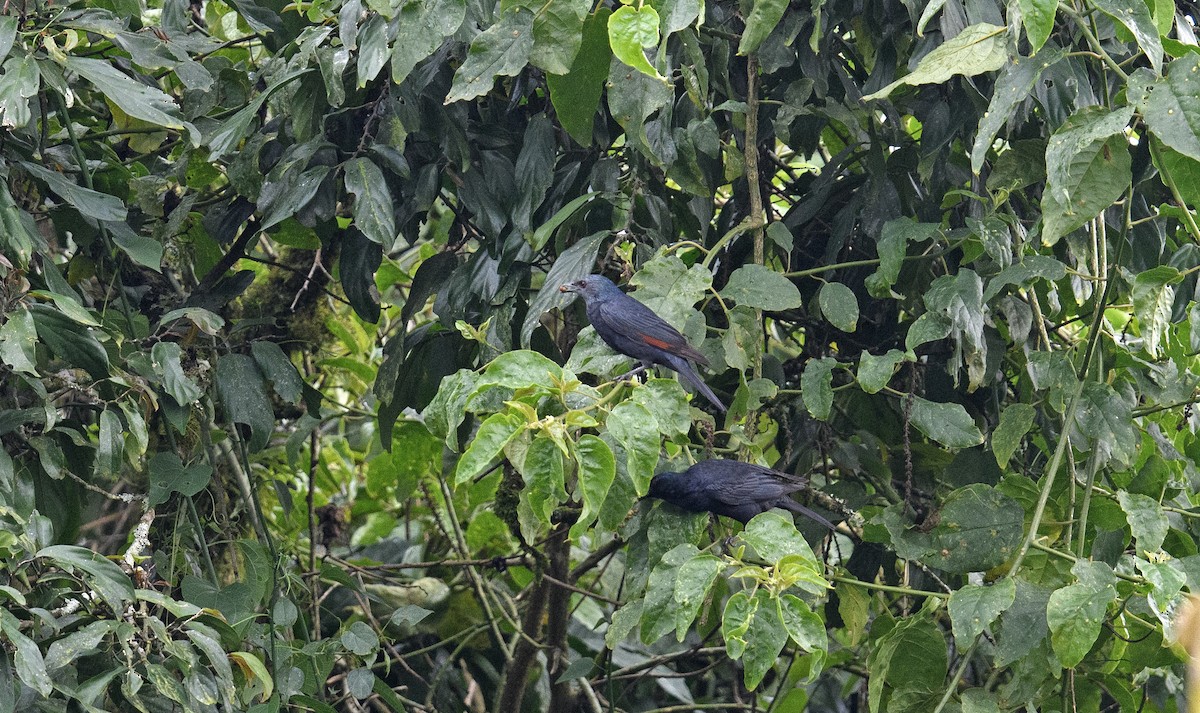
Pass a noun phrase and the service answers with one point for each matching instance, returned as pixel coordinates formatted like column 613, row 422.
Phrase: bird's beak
column 567, row 287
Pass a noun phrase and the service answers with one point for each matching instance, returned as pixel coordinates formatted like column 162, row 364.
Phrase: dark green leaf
column 974, row 607
column 1016, row 81
column 501, row 50
column 372, row 201
column 874, row 372
column 948, row 424
column 243, row 395
column 17, row 85
column 105, row 577
column 977, row 49
column 1135, row 16
column 169, row 475
column 92, row 204
column 421, row 28
column 576, row 94
column 979, row 528
column 764, row 16
column 135, row 98
column 110, row 446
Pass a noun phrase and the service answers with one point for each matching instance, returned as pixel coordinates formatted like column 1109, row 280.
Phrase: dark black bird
column 632, row 328
column 733, row 489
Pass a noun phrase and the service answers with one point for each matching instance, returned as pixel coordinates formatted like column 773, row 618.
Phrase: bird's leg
column 634, row 372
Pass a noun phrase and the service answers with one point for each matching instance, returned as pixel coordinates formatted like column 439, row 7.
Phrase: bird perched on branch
column 632, row 328
column 733, row 489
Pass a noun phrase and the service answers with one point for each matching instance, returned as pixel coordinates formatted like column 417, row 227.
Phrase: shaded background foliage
column 295, row 416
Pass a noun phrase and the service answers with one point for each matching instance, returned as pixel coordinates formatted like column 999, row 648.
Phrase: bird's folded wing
column 754, row 488
column 637, row 321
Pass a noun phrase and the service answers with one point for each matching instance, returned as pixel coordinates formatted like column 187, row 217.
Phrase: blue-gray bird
column 632, row 328
column 733, row 489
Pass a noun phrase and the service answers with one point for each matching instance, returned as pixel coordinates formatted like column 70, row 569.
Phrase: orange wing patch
column 656, row 342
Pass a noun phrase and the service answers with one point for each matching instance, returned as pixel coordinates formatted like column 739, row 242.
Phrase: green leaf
column 501, row 50
column 974, row 607
column 762, row 288
column 1023, row 625
column 742, row 341
column 1171, row 106
column 557, row 33
column 1105, row 421
column 30, row 666
column 1075, row 615
column 633, row 426
column 372, row 48
column 416, row 454
column 979, row 528
column 144, row 251
column 544, row 472
column 1015, row 83
column 360, row 639
column 278, row 369
column 1147, row 520
column 372, row 201
column 241, row 391
column 670, row 288
column 169, row 475
column 135, row 98
column 576, row 262
column 659, row 610
column 206, row 321
column 631, row 30
column 1015, row 422
column 765, row 639
column 735, row 622
column 18, row 340
column 1088, row 169
column 1038, row 18
column 959, row 298
column 874, row 372
column 1025, row 273
column 948, row 424
column 773, row 536
column 666, row 400
column 493, row 435
column 1135, row 16
column 803, row 625
column 237, row 127
column 977, row 49
column 764, row 16
column 110, row 446
column 103, row 575
column 816, row 387
column 93, row 204
column 693, row 580
column 17, row 85
column 1153, row 294
column 892, row 247
column 978, row 700
column 576, row 94
column 839, row 306
column 78, row 643
column 912, row 655
column 421, row 28
column 597, row 469
column 8, row 34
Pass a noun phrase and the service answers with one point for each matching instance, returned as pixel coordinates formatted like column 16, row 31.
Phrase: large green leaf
column 761, row 288
column 1076, row 612
column 1088, row 169
column 1013, row 85
column 17, row 85
column 597, row 469
column 243, row 395
column 764, row 16
column 421, row 27
column 576, row 92
column 948, row 424
column 135, row 98
column 372, row 201
column 501, row 50
column 1135, row 16
column 977, row 49
column 631, row 30
column 974, row 607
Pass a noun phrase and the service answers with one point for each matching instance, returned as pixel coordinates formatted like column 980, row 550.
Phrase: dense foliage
column 295, row 416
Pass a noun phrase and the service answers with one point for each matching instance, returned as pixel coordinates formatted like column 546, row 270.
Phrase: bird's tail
column 689, row 374
column 797, row 507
